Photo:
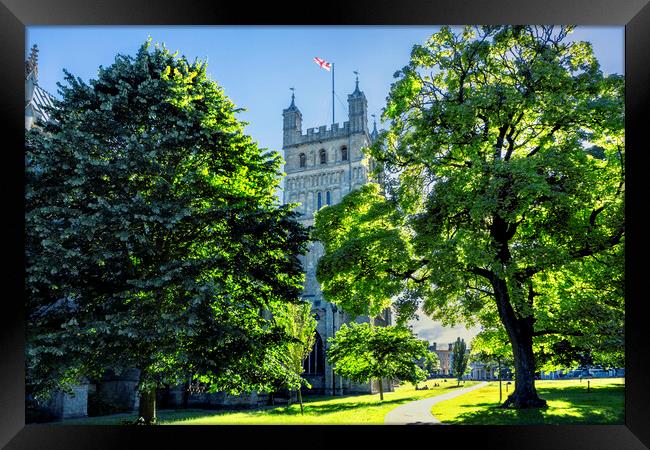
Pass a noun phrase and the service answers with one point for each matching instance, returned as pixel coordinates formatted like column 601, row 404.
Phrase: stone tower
column 322, row 166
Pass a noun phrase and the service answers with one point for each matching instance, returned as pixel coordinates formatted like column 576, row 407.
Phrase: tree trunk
column 520, row 332
column 500, row 391
column 525, row 394
column 147, row 408
column 186, row 394
column 381, row 390
column 302, row 411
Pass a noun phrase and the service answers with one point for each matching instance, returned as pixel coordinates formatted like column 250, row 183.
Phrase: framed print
column 205, row 239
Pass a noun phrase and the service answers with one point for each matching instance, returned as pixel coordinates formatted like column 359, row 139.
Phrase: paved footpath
column 419, row 411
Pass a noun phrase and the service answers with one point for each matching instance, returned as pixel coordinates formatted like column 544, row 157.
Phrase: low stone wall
column 68, row 406
column 317, row 385
column 119, row 392
column 222, row 400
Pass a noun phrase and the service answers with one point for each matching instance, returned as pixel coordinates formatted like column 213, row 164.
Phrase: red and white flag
column 324, row 64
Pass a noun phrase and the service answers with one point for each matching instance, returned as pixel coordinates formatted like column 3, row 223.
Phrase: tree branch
column 409, row 273
column 594, row 213
column 611, row 242
column 539, row 147
column 487, row 274
column 551, row 331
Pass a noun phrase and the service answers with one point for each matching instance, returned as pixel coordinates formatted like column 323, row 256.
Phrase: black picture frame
column 15, row 15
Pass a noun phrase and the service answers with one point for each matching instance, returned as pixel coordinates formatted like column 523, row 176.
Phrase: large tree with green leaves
column 154, row 238
column 362, row 353
column 503, row 176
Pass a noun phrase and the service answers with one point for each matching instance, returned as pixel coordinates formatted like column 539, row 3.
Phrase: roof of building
column 40, row 100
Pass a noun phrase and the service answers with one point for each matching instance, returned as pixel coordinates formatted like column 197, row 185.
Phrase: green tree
column 153, row 236
column 459, row 359
column 492, row 356
column 362, row 353
column 298, row 322
column 431, row 363
column 497, row 209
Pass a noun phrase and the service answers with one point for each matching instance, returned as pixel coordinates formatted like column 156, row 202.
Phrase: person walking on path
column 419, row 411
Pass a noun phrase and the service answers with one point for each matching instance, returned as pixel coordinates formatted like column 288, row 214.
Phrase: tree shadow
column 328, row 408
column 537, row 416
column 571, row 405
column 311, row 407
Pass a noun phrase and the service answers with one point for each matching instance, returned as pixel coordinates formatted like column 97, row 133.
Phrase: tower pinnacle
column 358, row 108
column 356, row 87
column 374, row 133
column 31, row 65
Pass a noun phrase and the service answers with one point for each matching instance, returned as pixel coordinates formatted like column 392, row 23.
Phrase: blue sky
column 256, row 66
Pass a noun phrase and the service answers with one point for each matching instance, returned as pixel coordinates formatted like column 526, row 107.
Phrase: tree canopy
column 459, row 359
column 501, row 200
column 154, row 238
column 298, row 322
column 362, row 352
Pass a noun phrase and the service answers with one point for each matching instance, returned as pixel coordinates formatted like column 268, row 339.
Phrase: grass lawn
column 319, row 410
column 568, row 403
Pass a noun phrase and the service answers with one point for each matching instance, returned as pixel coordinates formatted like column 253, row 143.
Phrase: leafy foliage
column 431, row 363
column 503, row 176
column 459, row 358
column 358, row 233
column 153, row 237
column 362, row 353
column 297, row 322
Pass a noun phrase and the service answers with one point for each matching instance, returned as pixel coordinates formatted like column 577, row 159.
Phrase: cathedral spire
column 31, row 65
column 293, row 104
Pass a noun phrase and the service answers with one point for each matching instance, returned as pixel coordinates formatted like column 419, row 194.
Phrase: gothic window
column 328, row 198
column 314, row 364
column 323, row 156
column 320, row 201
column 344, row 153
column 303, row 160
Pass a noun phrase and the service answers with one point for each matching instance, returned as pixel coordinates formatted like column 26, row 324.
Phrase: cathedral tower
column 322, row 166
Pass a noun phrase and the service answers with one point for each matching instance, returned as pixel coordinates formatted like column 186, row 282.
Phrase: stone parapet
column 318, row 134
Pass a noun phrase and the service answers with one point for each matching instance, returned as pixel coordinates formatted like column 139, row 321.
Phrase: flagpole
column 333, row 121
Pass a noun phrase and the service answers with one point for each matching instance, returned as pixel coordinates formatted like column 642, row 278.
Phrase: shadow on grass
column 328, row 408
column 312, row 407
column 498, row 416
column 571, row 405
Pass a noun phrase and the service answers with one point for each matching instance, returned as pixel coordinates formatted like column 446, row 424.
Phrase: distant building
column 482, row 371
column 445, row 357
